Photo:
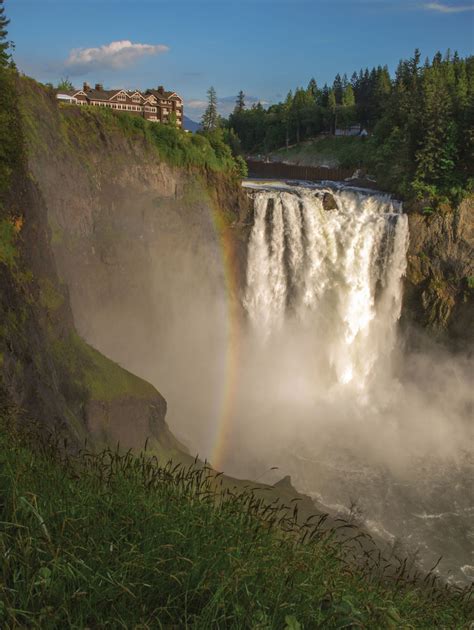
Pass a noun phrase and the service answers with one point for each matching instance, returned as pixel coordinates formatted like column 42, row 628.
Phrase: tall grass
column 113, row 540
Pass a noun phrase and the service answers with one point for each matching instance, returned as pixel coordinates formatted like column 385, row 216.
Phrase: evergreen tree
column 4, row 44
column 355, row 82
column 338, row 89
column 421, row 122
column 210, row 118
column 287, row 116
column 332, row 106
column 312, row 89
column 65, row 85
column 324, row 96
column 436, row 156
column 301, row 102
column 239, row 103
column 348, row 98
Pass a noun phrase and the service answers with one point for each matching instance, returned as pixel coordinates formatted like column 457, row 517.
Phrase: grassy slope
column 328, row 151
column 113, row 541
column 103, row 379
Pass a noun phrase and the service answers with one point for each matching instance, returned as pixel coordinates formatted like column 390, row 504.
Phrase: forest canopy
column 420, row 123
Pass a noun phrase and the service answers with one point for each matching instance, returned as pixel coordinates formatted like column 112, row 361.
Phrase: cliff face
column 142, row 248
column 439, row 291
column 132, row 253
column 69, row 245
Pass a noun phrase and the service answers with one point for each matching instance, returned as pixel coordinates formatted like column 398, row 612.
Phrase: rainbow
column 227, row 403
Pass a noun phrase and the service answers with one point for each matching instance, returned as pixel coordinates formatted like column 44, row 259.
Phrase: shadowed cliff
column 49, row 188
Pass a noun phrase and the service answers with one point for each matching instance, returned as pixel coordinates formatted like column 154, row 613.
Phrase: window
column 121, row 97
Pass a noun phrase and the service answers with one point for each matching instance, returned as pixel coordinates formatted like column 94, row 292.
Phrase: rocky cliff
column 77, row 210
column 135, row 254
column 439, row 291
column 142, row 247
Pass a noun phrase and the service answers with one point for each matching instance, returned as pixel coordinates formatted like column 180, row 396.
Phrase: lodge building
column 155, row 105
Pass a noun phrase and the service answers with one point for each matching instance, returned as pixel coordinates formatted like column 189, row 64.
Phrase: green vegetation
column 210, row 118
column 49, row 296
column 328, row 151
column 8, row 251
column 110, row 540
column 65, row 85
column 103, row 379
column 11, row 148
column 421, row 124
column 4, row 44
column 174, row 146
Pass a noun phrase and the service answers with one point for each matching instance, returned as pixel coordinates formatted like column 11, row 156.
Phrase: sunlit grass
column 113, row 540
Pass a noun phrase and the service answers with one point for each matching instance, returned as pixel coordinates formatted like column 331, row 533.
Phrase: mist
column 324, row 386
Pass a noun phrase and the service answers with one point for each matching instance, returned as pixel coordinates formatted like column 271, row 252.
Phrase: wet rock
column 438, row 294
column 329, row 202
column 285, row 483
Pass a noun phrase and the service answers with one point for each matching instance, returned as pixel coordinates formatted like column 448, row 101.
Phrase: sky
column 263, row 47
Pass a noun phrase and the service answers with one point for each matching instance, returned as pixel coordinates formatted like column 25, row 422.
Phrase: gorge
column 269, row 324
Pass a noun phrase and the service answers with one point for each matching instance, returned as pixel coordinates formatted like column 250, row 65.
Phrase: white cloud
column 113, row 56
column 446, row 8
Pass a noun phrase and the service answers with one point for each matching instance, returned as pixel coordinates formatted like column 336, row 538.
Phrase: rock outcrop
column 439, row 290
column 136, row 243
column 82, row 207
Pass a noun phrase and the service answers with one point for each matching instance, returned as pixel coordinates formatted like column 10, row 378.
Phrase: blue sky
column 264, row 47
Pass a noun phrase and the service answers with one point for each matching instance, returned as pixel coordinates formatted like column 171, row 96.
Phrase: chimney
column 99, row 87
column 86, row 87
column 161, row 89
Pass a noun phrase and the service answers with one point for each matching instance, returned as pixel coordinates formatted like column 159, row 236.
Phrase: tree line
column 420, row 122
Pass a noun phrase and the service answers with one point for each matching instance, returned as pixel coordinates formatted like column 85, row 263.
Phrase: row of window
column 123, row 97
column 129, row 108
column 133, row 108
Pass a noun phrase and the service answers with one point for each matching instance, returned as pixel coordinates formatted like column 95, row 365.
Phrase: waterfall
column 336, row 274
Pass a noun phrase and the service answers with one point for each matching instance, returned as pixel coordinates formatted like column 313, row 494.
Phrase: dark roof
column 161, row 95
column 101, row 95
column 106, row 95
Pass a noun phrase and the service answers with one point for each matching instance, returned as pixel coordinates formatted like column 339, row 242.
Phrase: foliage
column 103, row 379
column 242, row 167
column 8, row 251
column 4, row 43
column 65, row 85
column 328, row 151
column 240, row 103
column 11, row 146
column 113, row 540
column 210, row 118
column 173, row 144
column 422, row 123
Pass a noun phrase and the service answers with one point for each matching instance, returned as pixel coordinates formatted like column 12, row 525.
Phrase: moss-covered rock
column 440, row 261
column 46, row 369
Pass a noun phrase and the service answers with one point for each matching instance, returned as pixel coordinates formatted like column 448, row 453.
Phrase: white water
column 327, row 392
column 338, row 272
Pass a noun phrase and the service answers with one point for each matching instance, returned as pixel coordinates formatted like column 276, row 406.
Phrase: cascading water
column 326, row 392
column 337, row 271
